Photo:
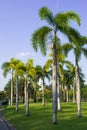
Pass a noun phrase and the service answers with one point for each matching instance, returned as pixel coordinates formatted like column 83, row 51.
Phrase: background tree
column 18, row 71
column 28, row 73
column 77, row 45
column 9, row 67
column 41, row 75
column 7, row 89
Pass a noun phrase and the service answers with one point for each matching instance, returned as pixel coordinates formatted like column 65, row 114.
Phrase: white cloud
column 24, row 54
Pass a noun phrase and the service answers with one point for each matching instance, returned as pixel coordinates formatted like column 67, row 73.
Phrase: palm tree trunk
column 73, row 94
column 58, row 96
column 78, row 89
column 43, row 102
column 64, row 93
column 54, row 85
column 27, row 99
column 16, row 93
column 25, row 92
column 12, row 89
column 67, row 95
column 35, row 94
column 23, row 96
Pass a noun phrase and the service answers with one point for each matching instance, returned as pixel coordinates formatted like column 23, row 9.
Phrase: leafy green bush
column 5, row 102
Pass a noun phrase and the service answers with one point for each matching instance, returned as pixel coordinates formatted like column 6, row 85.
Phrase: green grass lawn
column 41, row 117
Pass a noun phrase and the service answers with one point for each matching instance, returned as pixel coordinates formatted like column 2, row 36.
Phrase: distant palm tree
column 21, row 87
column 29, row 72
column 71, row 69
column 9, row 67
column 18, row 71
column 7, row 89
column 47, row 35
column 77, row 45
column 41, row 73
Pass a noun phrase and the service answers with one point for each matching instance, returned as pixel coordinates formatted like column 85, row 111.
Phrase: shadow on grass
column 41, row 118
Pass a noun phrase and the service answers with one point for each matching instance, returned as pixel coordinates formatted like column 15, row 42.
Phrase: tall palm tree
column 61, row 62
column 77, row 45
column 41, row 74
column 28, row 74
column 18, row 71
column 47, row 34
column 9, row 67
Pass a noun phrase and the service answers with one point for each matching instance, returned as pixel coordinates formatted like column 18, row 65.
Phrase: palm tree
column 9, row 67
column 71, row 69
column 68, row 76
column 33, row 79
column 21, row 87
column 48, row 34
column 7, row 90
column 41, row 74
column 28, row 74
column 77, row 45
column 18, row 70
column 61, row 62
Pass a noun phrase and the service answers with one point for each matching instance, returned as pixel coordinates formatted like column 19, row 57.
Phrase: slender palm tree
column 71, row 69
column 18, row 71
column 77, row 45
column 33, row 77
column 28, row 74
column 61, row 62
column 68, row 77
column 47, row 34
column 41, row 74
column 9, row 67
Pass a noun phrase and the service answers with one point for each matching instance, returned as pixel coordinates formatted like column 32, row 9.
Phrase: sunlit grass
column 41, row 117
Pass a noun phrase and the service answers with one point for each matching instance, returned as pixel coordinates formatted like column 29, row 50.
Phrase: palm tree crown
column 59, row 22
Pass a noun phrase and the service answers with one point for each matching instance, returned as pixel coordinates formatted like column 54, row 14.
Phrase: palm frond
column 62, row 19
column 39, row 70
column 83, row 40
column 6, row 68
column 29, row 64
column 70, row 67
column 84, row 51
column 70, row 15
column 32, row 72
column 67, row 63
column 14, row 61
column 6, row 71
column 19, row 65
column 60, row 57
column 48, row 64
column 12, row 66
column 39, row 39
column 77, row 53
column 47, row 15
column 66, row 48
column 5, row 65
column 73, row 35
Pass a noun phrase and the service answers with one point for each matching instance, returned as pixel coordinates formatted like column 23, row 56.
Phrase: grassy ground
column 41, row 117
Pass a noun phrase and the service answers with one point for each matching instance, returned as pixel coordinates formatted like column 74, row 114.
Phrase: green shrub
column 5, row 102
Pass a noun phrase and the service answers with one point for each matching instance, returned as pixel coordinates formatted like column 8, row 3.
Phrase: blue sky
column 19, row 19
